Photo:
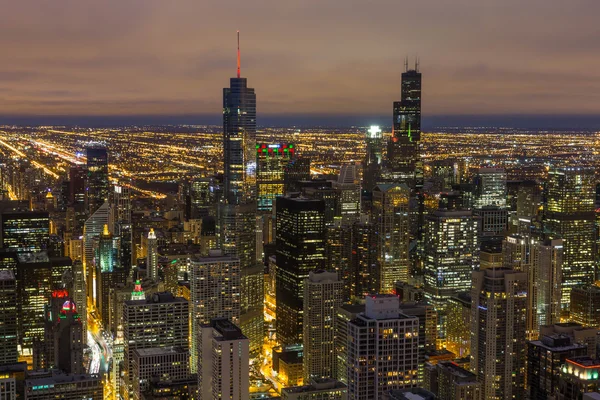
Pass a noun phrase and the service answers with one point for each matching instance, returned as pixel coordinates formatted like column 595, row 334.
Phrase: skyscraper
column 392, row 221
column 8, row 317
column 541, row 260
column 498, row 349
column 272, row 160
column 98, row 186
column 348, row 185
column 451, row 254
column 224, row 372
column 490, row 202
column 363, row 275
column 300, row 246
column 67, row 333
column 383, row 349
column 569, row 215
column 92, row 229
column 215, row 293
column 239, row 130
column 237, row 214
column 403, row 148
column 161, row 320
column 34, row 288
column 373, row 159
column 322, row 297
column 152, row 256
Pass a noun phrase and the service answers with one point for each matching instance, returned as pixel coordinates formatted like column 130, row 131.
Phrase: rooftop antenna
column 417, row 63
column 406, row 64
column 238, row 55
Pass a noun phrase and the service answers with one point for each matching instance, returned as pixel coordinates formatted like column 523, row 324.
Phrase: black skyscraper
column 97, row 177
column 403, row 148
column 300, row 245
column 237, row 214
column 239, row 138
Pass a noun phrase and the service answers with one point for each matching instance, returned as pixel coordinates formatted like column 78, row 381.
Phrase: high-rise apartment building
column 215, row 293
column 569, row 215
column 156, row 365
column 545, row 357
column 323, row 295
column 392, row 220
column 300, row 247
column 345, row 314
column 161, row 320
column 297, row 170
column 541, row 260
column 383, row 349
column 224, row 351
column 448, row 381
column 498, row 332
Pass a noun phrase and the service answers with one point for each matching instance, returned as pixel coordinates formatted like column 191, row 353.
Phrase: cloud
column 301, row 56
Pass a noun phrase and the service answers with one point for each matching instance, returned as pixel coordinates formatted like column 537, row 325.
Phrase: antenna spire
column 238, row 54
column 417, row 63
column 406, row 64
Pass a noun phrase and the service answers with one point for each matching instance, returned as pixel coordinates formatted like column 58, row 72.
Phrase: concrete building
column 161, row 320
column 224, row 371
column 155, row 365
column 383, row 349
column 545, row 357
column 448, row 381
column 498, row 351
column 66, row 386
column 215, row 293
column 323, row 295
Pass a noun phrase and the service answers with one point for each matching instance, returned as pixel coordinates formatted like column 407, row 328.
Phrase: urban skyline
column 246, row 262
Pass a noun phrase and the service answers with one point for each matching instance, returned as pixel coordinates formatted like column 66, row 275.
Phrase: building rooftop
column 6, row 275
column 57, row 378
column 457, row 371
column 317, row 385
column 157, row 351
column 584, row 361
column 411, row 394
column 162, row 297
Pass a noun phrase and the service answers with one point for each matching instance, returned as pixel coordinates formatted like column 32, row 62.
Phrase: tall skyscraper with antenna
column 239, row 130
column 237, row 212
column 403, row 148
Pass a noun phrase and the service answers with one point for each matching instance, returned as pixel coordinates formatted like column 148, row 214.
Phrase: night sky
column 303, row 57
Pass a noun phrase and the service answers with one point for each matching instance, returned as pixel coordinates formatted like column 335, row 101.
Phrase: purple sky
column 122, row 57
